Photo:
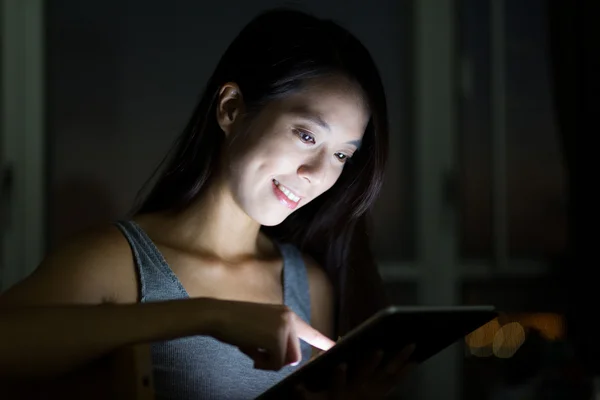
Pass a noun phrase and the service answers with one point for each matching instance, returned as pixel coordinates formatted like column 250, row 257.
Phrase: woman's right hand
column 268, row 333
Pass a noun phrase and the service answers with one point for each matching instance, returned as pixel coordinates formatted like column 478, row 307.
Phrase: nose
column 314, row 170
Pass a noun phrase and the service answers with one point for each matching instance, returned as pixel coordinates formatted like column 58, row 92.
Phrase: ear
column 229, row 107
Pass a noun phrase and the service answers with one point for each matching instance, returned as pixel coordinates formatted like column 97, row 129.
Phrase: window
column 511, row 177
column 488, row 175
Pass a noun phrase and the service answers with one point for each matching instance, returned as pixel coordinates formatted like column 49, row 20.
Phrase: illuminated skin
column 294, row 150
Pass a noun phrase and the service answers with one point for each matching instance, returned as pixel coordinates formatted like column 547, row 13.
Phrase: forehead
column 333, row 103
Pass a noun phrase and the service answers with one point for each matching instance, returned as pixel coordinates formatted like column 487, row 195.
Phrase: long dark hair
column 272, row 57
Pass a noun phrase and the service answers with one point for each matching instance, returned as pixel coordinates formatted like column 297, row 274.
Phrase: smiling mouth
column 285, row 195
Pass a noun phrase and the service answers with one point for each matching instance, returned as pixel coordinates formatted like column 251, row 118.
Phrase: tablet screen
column 431, row 329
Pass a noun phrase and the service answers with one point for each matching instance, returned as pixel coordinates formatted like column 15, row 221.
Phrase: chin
column 271, row 220
column 268, row 215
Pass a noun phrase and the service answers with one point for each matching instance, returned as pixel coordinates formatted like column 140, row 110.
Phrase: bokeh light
column 508, row 339
column 480, row 341
column 503, row 336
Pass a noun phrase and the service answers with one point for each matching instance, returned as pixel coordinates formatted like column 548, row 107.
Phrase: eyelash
column 302, row 134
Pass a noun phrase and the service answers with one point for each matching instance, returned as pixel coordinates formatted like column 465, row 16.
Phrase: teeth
column 286, row 191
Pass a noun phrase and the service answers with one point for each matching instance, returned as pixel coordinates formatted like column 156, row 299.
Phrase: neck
column 214, row 224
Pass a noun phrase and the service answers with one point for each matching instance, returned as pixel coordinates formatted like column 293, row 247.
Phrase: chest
column 255, row 281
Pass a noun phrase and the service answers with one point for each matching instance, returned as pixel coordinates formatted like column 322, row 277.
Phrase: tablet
column 431, row 329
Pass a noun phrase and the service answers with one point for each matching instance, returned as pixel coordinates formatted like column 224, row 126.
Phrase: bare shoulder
column 94, row 267
column 321, row 297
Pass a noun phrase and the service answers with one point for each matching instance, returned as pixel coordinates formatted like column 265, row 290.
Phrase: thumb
column 261, row 358
column 293, row 354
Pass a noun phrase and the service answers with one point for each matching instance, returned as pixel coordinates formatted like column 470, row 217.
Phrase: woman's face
column 295, row 149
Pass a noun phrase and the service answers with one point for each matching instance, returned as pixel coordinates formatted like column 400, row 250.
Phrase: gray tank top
column 201, row 367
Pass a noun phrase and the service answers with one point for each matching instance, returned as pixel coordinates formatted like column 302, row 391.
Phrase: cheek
column 254, row 168
column 332, row 178
column 274, row 157
column 243, row 153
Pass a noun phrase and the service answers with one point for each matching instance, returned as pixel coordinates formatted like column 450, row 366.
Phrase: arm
column 80, row 304
column 64, row 315
column 49, row 341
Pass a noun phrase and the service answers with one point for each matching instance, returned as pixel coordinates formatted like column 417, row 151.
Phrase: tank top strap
column 156, row 279
column 295, row 281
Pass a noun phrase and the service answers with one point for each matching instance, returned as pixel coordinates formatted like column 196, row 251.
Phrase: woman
column 244, row 239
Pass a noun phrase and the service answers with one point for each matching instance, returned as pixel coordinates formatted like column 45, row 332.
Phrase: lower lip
column 283, row 199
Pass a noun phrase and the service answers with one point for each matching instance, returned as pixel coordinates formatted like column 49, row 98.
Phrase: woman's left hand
column 372, row 380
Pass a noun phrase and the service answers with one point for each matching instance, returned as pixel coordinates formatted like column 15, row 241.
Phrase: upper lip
column 294, row 191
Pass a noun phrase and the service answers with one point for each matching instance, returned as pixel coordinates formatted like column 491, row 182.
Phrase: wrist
column 208, row 313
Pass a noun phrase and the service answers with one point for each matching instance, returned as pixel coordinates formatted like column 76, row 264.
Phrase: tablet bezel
column 378, row 318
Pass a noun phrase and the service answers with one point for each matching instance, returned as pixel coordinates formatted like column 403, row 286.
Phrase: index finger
column 312, row 336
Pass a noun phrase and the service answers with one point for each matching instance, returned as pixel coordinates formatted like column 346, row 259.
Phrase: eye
column 342, row 157
column 304, row 136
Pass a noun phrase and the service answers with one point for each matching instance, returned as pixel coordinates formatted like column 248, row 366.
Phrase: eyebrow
column 315, row 118
column 355, row 143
